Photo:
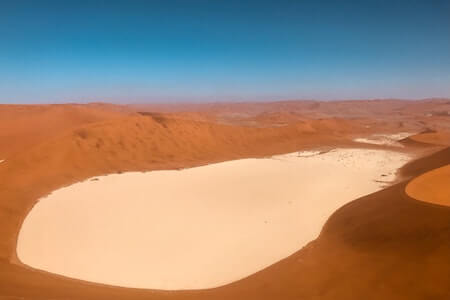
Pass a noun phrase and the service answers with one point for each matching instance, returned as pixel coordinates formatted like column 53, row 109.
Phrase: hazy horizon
column 233, row 51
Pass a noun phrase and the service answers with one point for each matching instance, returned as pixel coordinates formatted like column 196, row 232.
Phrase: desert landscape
column 220, row 213
column 301, row 202
column 225, row 150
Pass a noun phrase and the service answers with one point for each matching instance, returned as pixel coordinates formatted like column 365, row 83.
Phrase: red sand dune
column 386, row 245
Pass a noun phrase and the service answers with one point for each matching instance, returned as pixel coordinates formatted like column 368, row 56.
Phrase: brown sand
column 382, row 246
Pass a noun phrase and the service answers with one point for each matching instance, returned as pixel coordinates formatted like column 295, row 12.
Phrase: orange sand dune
column 385, row 245
column 388, row 115
column 134, row 143
column 433, row 186
column 22, row 126
column 436, row 138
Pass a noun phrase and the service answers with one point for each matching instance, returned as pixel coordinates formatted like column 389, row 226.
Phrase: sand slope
column 384, row 246
column 433, row 186
column 22, row 126
column 436, row 138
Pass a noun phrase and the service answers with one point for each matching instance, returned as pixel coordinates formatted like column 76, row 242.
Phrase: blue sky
column 135, row 51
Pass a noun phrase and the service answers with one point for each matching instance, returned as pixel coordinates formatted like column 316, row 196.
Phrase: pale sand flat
column 384, row 139
column 196, row 228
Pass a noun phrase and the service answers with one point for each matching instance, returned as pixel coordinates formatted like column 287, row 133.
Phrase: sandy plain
column 386, row 244
column 232, row 218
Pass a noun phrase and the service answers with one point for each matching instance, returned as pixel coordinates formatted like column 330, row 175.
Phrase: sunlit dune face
column 196, row 228
column 432, row 187
column 435, row 138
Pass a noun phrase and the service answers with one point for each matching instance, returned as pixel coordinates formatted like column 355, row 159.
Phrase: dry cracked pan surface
column 386, row 245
